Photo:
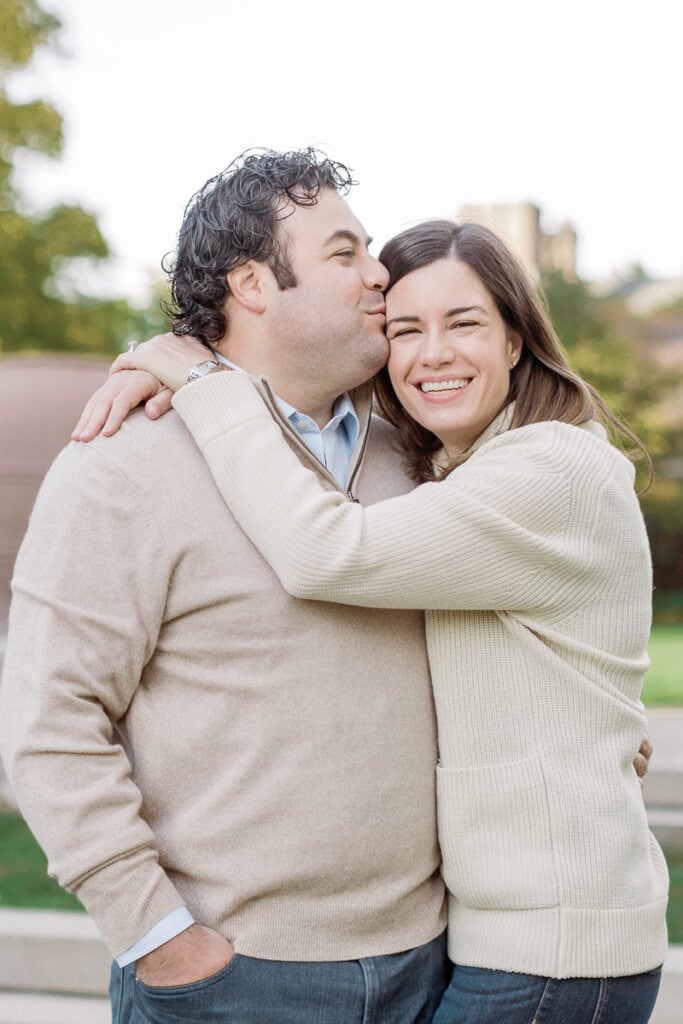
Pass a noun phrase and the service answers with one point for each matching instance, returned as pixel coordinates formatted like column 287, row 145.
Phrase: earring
column 513, row 364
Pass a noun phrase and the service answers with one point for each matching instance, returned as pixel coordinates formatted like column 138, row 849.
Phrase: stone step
column 33, row 1008
column 52, row 951
column 663, row 784
column 669, row 1006
column 667, row 825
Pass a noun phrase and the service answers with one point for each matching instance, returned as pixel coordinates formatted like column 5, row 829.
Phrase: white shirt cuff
column 167, row 928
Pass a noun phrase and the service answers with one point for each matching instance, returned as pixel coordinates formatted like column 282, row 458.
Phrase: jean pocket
column 496, row 837
column 204, row 1000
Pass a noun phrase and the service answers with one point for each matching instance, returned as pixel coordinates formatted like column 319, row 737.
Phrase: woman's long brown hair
column 543, row 385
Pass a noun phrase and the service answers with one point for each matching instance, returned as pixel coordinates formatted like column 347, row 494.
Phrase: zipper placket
column 356, row 469
column 275, row 408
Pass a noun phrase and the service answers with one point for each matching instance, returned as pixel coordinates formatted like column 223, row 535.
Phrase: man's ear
column 249, row 285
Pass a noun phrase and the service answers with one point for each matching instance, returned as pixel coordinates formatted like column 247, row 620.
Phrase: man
column 239, row 786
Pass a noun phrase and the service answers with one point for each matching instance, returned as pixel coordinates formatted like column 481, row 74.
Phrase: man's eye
column 348, row 253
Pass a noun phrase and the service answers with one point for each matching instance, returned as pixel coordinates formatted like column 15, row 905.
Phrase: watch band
column 206, row 366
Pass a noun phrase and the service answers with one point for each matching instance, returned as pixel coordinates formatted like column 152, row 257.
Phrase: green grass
column 664, row 680
column 667, row 607
column 24, row 881
column 675, row 913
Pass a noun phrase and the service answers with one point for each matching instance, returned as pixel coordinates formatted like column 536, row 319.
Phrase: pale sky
column 576, row 107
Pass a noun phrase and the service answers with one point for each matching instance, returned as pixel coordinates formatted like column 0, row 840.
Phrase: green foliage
column 664, row 681
column 575, row 311
column 607, row 347
column 604, row 352
column 663, row 510
column 24, row 881
column 24, row 26
column 667, row 607
column 37, row 250
column 674, row 914
column 35, row 126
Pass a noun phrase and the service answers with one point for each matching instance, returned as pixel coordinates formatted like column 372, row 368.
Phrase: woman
column 527, row 549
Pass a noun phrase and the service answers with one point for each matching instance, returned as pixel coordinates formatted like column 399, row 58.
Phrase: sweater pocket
column 496, row 838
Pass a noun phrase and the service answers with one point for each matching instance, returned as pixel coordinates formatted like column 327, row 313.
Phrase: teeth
column 443, row 385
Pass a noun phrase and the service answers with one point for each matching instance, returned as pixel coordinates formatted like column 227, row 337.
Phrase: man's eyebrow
column 456, row 311
column 344, row 234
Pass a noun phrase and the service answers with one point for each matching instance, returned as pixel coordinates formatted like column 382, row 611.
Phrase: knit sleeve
column 492, row 536
column 89, row 593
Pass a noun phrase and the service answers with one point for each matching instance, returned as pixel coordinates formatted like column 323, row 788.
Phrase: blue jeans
column 403, row 988
column 479, row 996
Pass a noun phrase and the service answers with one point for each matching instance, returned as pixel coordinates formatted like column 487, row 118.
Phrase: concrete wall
column 41, row 398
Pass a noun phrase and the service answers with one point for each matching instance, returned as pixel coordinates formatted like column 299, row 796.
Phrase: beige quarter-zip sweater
column 533, row 563
column 180, row 730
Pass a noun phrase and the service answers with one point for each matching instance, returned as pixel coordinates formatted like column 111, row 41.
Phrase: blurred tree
column 608, row 346
column 601, row 339
column 35, row 250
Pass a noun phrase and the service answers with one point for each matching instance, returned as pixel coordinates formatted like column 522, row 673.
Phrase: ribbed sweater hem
column 559, row 942
column 301, row 930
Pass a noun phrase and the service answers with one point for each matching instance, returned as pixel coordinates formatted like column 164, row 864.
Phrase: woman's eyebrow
column 456, row 311
column 402, row 320
column 464, row 309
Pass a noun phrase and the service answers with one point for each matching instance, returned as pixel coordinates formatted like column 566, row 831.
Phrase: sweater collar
column 498, row 425
column 501, row 424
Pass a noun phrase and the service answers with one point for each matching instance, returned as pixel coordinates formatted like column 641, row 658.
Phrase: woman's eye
column 347, row 253
column 403, row 333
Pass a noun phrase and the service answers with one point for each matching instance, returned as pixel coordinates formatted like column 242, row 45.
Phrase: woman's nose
column 437, row 349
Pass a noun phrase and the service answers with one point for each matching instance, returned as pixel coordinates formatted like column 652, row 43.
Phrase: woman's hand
column 108, row 407
column 149, row 374
column 642, row 759
column 166, row 357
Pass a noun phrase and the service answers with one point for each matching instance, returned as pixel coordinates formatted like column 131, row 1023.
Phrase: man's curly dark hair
column 233, row 218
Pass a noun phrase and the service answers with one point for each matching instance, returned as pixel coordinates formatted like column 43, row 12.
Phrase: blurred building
column 519, row 224
column 41, row 398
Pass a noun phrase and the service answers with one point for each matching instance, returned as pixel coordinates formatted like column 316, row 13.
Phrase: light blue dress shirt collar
column 334, row 444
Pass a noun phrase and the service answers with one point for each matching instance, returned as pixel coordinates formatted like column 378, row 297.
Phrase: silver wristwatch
column 201, row 369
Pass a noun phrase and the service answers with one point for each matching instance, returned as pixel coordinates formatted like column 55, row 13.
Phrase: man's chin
column 370, row 360
column 377, row 354
column 370, row 369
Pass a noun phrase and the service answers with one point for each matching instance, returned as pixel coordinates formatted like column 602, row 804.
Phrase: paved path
column 39, row 1008
column 665, row 727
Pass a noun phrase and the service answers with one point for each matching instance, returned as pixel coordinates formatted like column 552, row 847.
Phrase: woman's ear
column 249, row 285
column 515, row 347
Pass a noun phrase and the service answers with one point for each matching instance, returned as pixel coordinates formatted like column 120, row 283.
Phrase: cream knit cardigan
column 532, row 561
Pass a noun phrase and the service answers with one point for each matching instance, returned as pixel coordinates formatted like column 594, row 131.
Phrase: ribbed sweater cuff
column 217, row 403
column 127, row 898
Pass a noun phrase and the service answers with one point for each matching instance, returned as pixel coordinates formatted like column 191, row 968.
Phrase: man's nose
column 375, row 275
